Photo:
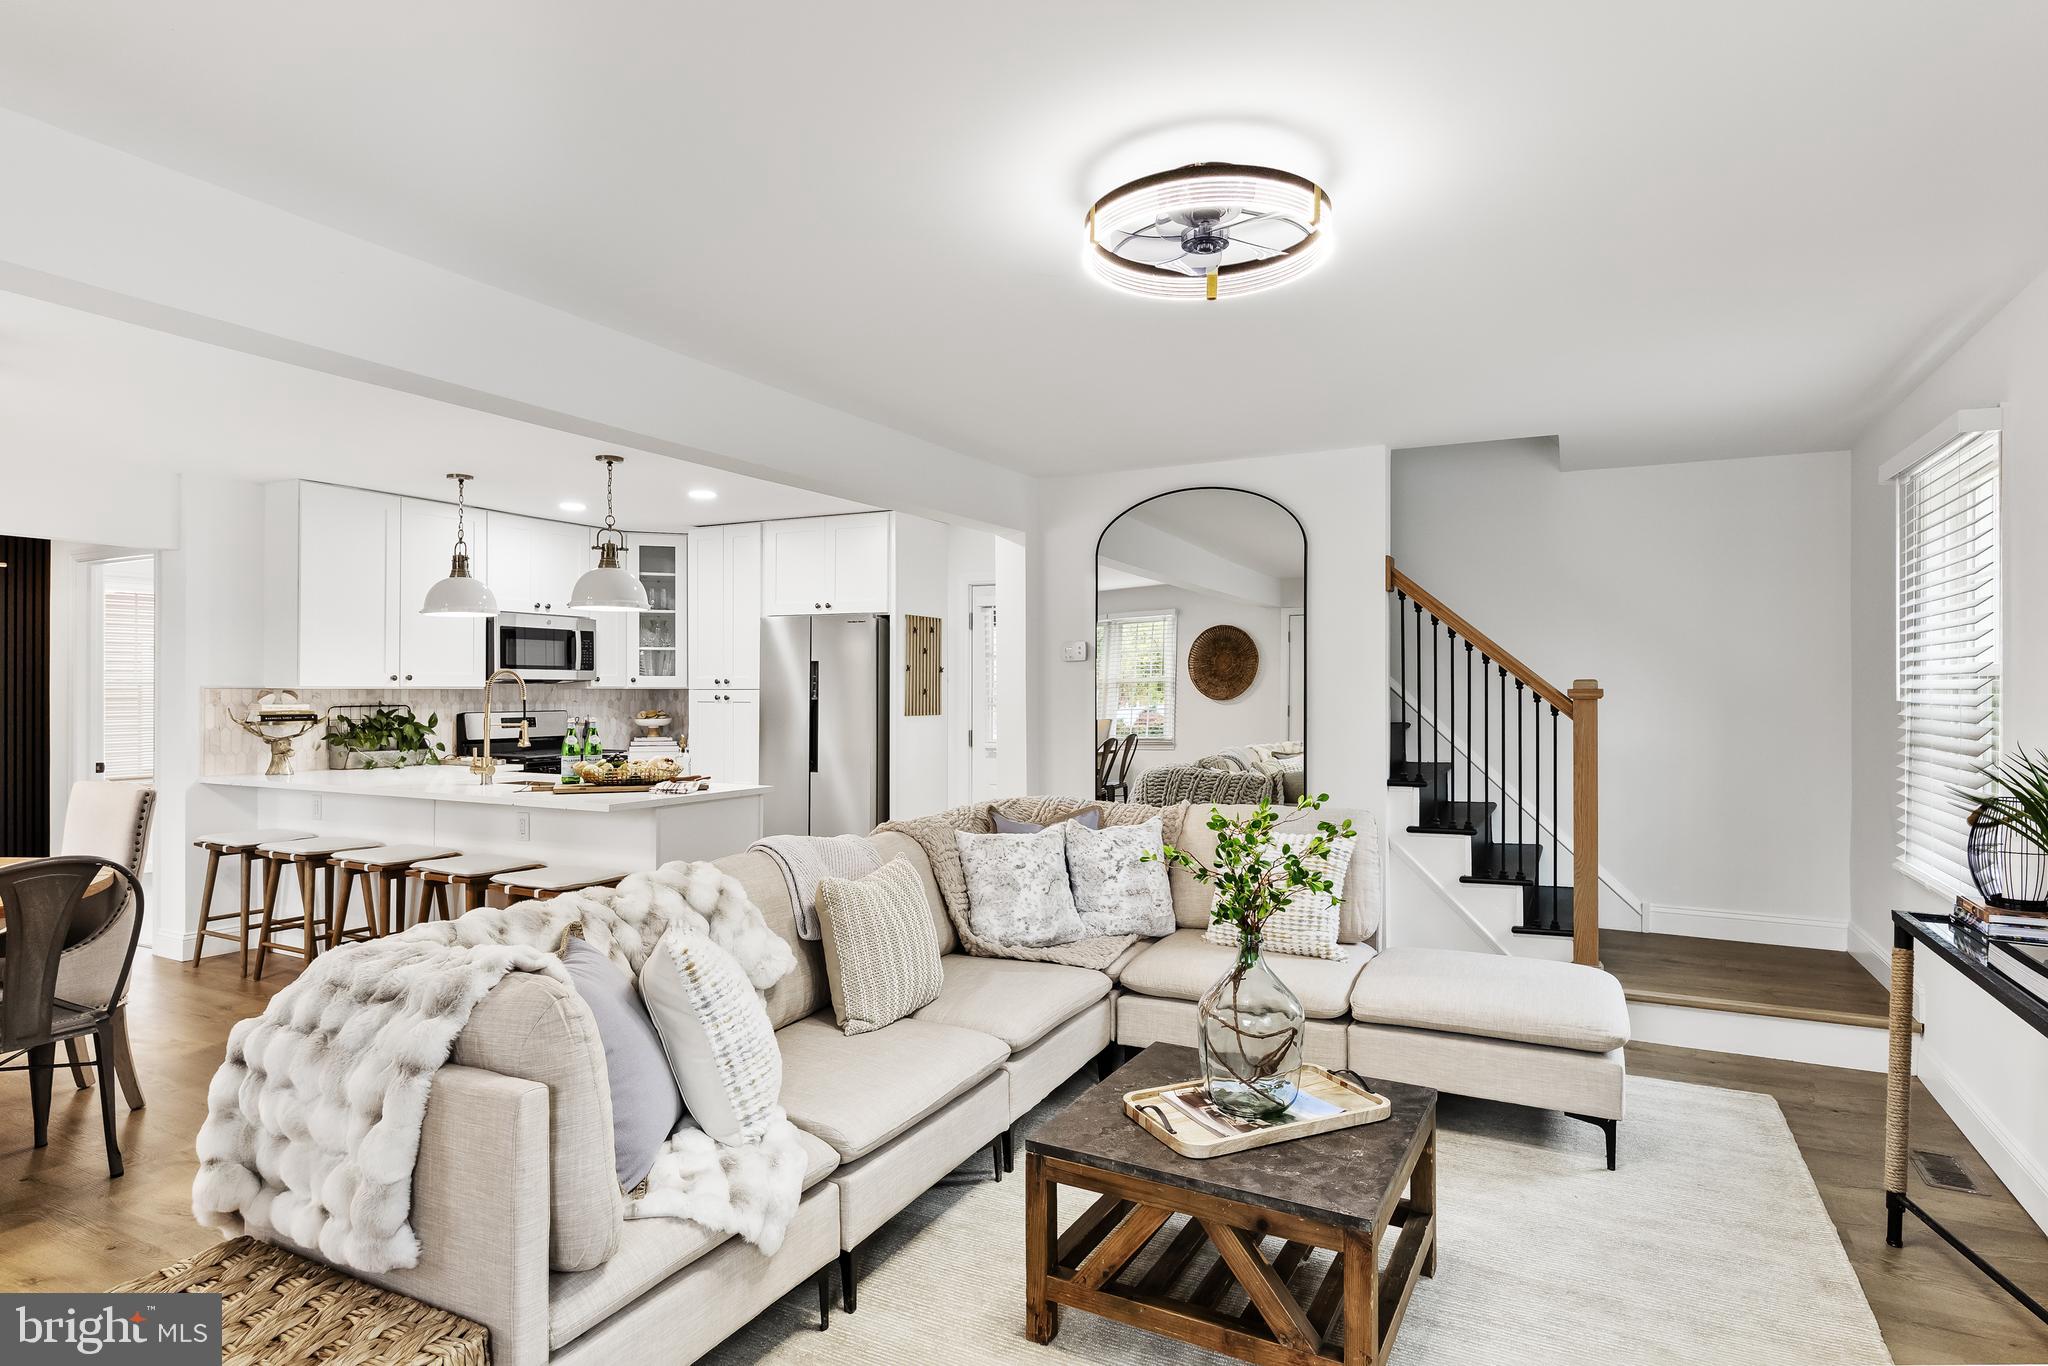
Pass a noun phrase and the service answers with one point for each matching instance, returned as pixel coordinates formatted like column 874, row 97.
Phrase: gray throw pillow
column 646, row 1106
column 1089, row 816
column 1017, row 892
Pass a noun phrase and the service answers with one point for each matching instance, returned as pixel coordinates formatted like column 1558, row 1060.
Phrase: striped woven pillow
column 881, row 946
column 1308, row 927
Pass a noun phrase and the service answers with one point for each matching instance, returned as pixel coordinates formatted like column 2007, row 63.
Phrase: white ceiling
column 75, row 387
column 1655, row 231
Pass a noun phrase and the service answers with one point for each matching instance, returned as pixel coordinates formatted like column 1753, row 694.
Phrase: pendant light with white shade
column 609, row 588
column 460, row 595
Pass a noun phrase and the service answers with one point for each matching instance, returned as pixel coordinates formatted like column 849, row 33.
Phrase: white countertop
column 454, row 782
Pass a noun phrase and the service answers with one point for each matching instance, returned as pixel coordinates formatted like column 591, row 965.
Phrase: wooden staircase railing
column 1456, row 753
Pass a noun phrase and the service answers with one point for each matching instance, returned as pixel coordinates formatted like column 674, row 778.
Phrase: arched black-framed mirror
column 1201, row 650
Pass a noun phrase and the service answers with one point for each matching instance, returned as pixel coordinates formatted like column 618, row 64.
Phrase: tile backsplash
column 228, row 749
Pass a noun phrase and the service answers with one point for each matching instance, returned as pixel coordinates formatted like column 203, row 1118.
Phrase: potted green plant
column 385, row 737
column 2008, row 849
column 1250, row 1024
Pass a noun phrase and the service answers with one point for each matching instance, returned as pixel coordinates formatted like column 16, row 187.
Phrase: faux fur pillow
column 715, row 1030
column 1017, row 890
column 1116, row 889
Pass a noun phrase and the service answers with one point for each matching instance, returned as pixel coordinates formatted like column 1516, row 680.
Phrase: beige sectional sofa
column 519, row 1214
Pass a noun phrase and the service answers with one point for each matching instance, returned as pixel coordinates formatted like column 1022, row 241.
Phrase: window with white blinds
column 1948, row 652
column 127, row 672
column 1135, row 671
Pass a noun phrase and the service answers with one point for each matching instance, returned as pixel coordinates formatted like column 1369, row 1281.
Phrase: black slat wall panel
column 24, row 696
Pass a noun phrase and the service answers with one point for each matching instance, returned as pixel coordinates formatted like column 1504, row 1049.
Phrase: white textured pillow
column 716, row 1033
column 1308, row 927
column 881, row 947
column 1017, row 890
column 1115, row 889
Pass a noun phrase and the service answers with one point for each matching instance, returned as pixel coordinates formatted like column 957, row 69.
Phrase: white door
column 981, row 689
column 436, row 652
column 742, row 736
column 1297, row 674
column 656, row 658
column 708, row 733
column 565, row 553
column 516, row 573
column 798, row 560
column 709, row 623
column 742, row 663
column 860, row 564
column 348, row 548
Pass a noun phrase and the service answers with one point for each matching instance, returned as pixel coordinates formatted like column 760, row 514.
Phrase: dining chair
column 1121, row 784
column 42, row 898
column 110, row 821
column 1105, row 761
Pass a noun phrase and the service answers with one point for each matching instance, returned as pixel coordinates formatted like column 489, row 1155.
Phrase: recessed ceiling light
column 1209, row 230
column 703, row 495
column 571, row 505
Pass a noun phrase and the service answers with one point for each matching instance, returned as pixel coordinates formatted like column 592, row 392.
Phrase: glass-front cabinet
column 646, row 649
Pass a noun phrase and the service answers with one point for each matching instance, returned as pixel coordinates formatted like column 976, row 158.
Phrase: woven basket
column 277, row 1307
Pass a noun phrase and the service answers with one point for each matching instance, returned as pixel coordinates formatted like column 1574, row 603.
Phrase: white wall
column 1710, row 600
column 1203, row 725
column 917, row 744
column 1341, row 499
column 1973, row 1051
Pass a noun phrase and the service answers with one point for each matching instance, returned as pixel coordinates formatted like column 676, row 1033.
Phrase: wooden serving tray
column 1191, row 1135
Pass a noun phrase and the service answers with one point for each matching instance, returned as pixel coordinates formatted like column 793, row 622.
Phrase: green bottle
column 572, row 747
column 593, row 741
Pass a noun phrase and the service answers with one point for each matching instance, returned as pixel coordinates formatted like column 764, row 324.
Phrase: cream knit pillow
column 716, row 1033
column 881, row 946
column 1308, row 927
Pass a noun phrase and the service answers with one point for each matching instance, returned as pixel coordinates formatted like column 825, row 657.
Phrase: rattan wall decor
column 1222, row 662
column 923, row 666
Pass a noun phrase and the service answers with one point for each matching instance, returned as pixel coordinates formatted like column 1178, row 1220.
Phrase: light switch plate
column 525, row 825
column 1075, row 652
column 318, row 803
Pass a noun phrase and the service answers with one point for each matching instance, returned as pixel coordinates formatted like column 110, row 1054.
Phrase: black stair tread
column 1407, row 774
column 1454, row 818
column 1546, row 910
column 1514, row 864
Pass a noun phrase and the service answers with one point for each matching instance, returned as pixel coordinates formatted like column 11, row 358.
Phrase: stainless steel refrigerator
column 825, row 724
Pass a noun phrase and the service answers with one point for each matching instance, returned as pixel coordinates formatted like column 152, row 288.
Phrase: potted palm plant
column 1250, row 1024
column 2009, row 834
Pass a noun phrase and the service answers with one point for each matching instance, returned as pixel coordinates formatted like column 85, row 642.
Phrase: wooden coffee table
column 1346, row 1191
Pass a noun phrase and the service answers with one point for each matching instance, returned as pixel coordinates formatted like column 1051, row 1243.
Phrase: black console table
column 1968, row 953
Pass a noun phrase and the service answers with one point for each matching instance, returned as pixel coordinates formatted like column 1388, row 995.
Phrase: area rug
column 1709, row 1244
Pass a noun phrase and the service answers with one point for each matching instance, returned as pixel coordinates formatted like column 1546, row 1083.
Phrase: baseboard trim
column 1759, row 1036
column 1749, row 927
column 1876, row 958
column 1992, row 1140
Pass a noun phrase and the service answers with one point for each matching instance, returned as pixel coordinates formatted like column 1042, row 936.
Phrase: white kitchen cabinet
column 648, row 649
column 725, row 734
column 436, row 652
column 813, row 565
column 724, row 616
column 535, row 562
column 330, row 594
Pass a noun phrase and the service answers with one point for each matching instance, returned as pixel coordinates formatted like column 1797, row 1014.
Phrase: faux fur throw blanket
column 934, row 834
column 313, row 1120
column 807, row 860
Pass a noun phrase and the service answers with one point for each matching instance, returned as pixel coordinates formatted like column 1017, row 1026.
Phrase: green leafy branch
column 1254, row 875
column 387, row 728
column 2018, row 799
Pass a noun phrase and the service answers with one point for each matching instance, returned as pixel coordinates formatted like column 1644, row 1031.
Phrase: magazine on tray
column 1193, row 1101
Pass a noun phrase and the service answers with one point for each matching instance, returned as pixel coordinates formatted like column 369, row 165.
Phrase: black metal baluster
column 1401, row 649
column 1556, row 848
column 1418, row 698
column 1521, row 803
column 1469, row 785
column 1537, row 825
column 1451, row 734
column 1500, row 855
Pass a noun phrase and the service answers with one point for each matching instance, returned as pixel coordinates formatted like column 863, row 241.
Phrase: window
column 124, row 645
column 1948, row 647
column 1135, row 669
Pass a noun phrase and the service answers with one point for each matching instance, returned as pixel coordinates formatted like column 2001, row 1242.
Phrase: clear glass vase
column 1250, row 1027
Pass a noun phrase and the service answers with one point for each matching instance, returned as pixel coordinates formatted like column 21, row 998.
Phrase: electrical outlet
column 526, row 825
column 318, row 805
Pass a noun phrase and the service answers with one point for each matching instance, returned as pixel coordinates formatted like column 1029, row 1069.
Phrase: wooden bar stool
column 440, row 880
column 314, row 859
column 551, row 880
column 240, row 844
column 382, row 874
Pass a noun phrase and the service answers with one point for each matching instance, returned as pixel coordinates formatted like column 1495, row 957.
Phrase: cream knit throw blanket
column 934, row 834
column 313, row 1120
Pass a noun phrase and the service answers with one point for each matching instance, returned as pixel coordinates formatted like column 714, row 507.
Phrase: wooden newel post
column 1586, row 695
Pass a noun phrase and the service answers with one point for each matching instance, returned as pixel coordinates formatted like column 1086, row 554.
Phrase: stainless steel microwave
column 542, row 648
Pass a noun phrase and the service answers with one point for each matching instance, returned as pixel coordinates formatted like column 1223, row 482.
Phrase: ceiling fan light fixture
column 1208, row 231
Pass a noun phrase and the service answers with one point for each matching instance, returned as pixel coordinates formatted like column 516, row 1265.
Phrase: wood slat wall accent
column 923, row 666
column 24, row 696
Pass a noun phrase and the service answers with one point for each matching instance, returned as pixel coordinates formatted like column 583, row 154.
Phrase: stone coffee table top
column 1343, row 1178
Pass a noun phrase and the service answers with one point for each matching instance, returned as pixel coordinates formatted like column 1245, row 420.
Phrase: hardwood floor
column 1764, row 979
column 66, row 1226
